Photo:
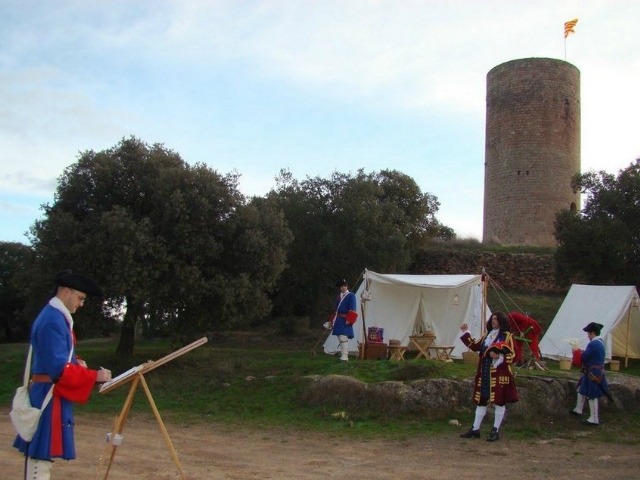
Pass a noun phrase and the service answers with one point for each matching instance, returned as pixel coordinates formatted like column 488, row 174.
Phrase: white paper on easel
column 122, row 376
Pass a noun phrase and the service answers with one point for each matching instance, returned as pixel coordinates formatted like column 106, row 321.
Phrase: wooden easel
column 136, row 377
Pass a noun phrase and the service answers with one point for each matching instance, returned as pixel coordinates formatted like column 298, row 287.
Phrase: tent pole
column 363, row 304
column 484, row 302
column 626, row 347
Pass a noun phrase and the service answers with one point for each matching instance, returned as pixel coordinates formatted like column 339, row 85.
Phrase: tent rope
column 497, row 288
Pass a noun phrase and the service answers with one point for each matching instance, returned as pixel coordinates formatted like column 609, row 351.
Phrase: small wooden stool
column 396, row 351
column 443, row 352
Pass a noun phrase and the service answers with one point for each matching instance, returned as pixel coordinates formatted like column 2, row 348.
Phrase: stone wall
column 540, row 396
column 511, row 271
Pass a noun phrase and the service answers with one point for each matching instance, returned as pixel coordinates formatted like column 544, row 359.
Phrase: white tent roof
column 408, row 304
column 615, row 307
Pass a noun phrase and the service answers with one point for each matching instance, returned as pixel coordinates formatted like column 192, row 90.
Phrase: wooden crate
column 374, row 351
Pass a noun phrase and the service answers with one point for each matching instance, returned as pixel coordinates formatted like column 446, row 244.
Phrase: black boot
column 493, row 436
column 471, row 433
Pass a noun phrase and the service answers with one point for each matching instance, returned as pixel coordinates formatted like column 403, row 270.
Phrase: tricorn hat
column 593, row 327
column 501, row 347
column 79, row 282
column 341, row 283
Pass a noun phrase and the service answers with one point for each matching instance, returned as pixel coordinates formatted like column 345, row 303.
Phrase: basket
column 470, row 357
column 565, row 364
column 614, row 365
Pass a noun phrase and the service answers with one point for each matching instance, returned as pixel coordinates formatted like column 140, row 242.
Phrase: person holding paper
column 54, row 361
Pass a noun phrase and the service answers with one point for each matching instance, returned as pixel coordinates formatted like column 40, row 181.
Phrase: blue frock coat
column 593, row 362
column 340, row 325
column 52, row 341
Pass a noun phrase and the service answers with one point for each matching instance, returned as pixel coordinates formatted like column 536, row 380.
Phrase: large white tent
column 405, row 305
column 615, row 307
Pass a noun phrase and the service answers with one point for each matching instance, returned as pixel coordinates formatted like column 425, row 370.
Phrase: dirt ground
column 221, row 452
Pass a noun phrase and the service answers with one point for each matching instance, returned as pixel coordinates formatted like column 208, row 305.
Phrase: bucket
column 565, row 364
column 614, row 365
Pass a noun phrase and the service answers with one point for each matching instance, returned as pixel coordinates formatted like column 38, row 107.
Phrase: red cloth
column 519, row 323
column 76, row 383
column 576, row 359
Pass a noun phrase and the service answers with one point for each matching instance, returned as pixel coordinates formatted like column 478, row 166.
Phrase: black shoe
column 574, row 413
column 589, row 424
column 471, row 433
column 493, row 436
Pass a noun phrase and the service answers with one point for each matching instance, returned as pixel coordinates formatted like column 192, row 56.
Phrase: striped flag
column 568, row 27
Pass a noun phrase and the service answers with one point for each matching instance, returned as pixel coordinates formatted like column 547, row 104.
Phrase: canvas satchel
column 23, row 415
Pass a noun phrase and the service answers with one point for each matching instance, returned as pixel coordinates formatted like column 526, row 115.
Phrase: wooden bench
column 442, row 352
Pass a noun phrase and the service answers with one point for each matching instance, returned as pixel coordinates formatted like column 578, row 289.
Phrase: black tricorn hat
column 341, row 282
column 593, row 327
column 79, row 282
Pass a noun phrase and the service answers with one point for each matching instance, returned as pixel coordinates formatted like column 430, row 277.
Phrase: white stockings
column 38, row 469
column 480, row 413
column 344, row 348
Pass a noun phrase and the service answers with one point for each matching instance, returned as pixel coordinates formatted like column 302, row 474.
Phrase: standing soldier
column 55, row 362
column 593, row 383
column 344, row 319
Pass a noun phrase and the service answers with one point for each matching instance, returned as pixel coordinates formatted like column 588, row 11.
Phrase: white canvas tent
column 615, row 307
column 407, row 304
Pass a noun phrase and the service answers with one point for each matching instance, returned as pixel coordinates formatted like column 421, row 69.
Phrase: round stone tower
column 532, row 149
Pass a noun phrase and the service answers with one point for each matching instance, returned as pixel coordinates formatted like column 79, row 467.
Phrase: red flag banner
column 568, row 27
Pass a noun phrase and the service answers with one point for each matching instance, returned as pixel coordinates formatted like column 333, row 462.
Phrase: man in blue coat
column 55, row 362
column 592, row 383
column 344, row 319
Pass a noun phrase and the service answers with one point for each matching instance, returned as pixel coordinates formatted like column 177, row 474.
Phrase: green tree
column 164, row 238
column 343, row 224
column 601, row 244
column 16, row 265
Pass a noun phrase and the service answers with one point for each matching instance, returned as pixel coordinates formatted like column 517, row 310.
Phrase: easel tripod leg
column 174, row 455
column 118, row 426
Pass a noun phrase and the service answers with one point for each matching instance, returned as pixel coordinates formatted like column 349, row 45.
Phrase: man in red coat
column 55, row 362
column 494, row 382
column 525, row 330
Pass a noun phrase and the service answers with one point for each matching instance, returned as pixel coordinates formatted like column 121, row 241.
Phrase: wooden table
column 442, row 352
column 422, row 343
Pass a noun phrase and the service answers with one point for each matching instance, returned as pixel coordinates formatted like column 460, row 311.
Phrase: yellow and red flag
column 568, row 27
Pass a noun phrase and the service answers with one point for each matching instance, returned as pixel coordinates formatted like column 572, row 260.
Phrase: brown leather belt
column 41, row 378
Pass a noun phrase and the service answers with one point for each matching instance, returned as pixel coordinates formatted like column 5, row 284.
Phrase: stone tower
column 532, row 149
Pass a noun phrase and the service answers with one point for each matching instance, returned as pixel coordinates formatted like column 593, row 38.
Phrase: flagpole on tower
column 568, row 28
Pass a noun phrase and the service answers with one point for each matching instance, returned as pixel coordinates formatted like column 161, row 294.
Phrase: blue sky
column 310, row 86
